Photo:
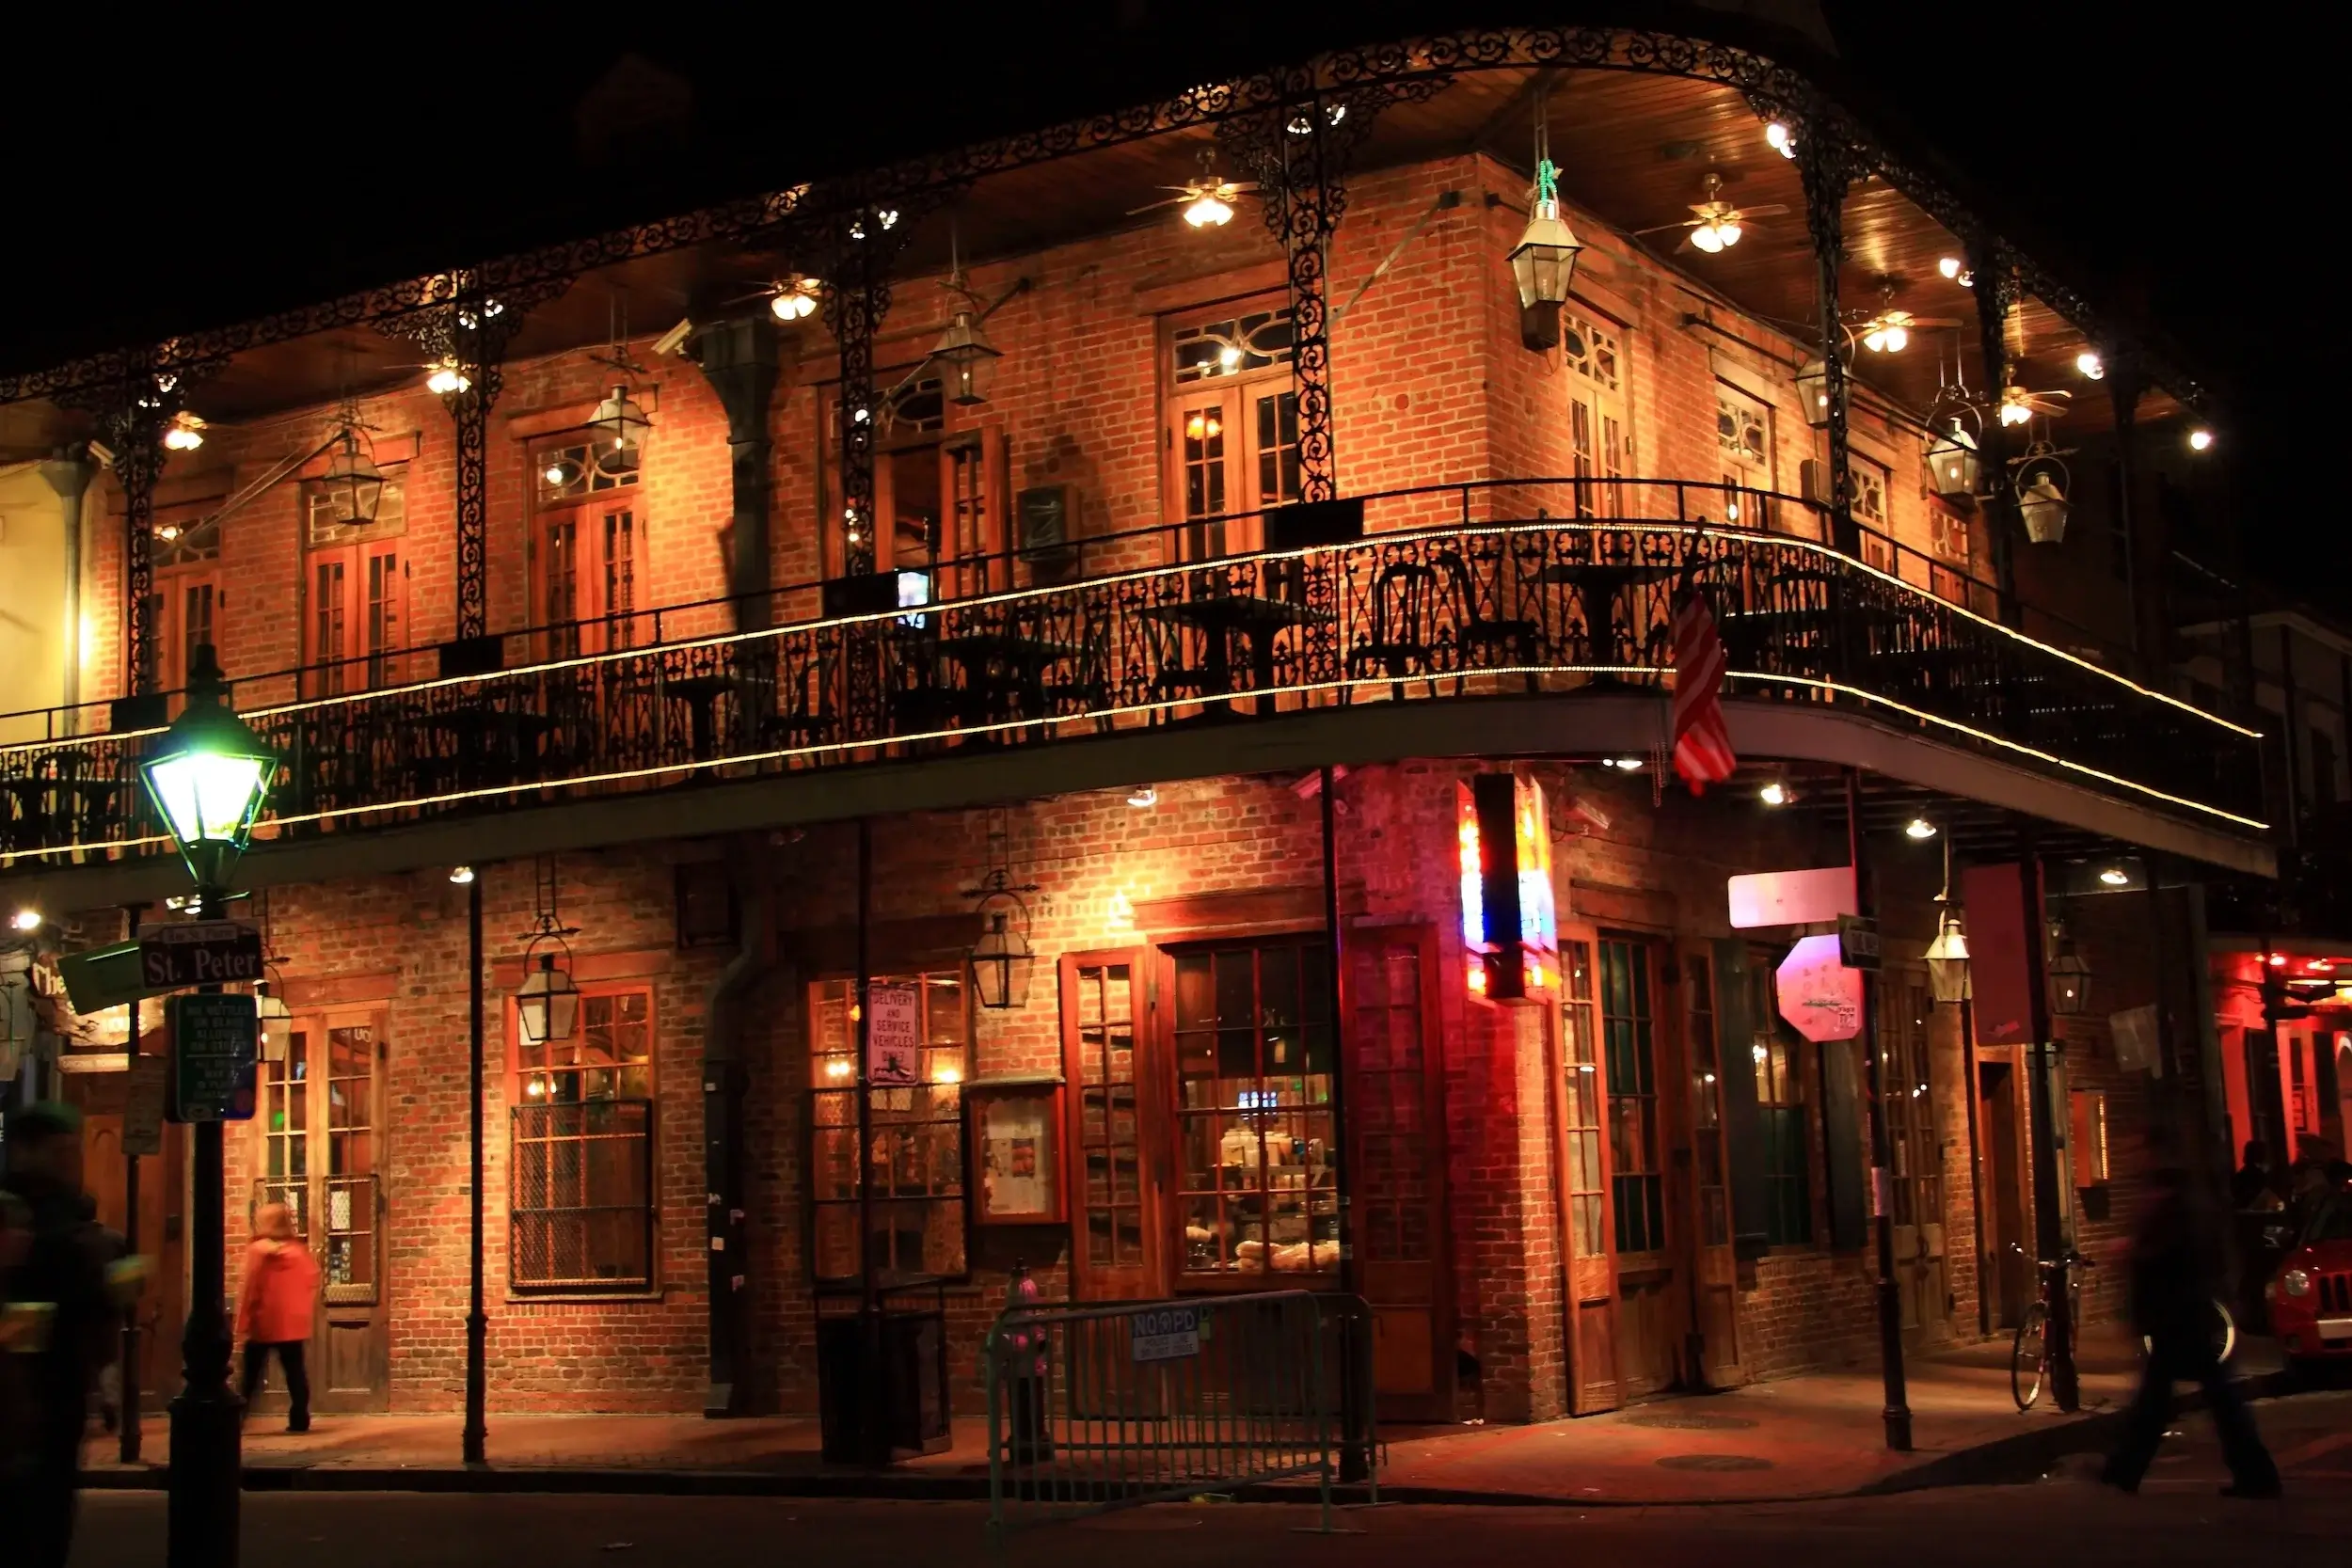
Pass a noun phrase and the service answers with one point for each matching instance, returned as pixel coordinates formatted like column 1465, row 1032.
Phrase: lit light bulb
column 1726, row 235
column 2115, row 876
column 1773, row 794
column 461, row 875
column 1782, row 139
column 168, row 533
column 2090, row 366
column 1706, row 237
column 27, row 920
column 1760, row 1054
column 2014, row 411
column 1919, row 827
column 1229, row 356
column 838, row 1068
column 1626, row 765
column 1875, row 339
column 948, row 1072
column 184, row 434
column 446, row 380
column 2278, row 960
column 1209, row 210
column 2200, row 439
column 1143, row 796
column 1948, row 265
column 1898, row 340
column 555, row 474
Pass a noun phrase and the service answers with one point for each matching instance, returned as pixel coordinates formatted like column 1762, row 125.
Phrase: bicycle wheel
column 2224, row 1333
column 2029, row 1356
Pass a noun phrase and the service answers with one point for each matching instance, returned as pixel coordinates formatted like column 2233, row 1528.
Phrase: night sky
column 214, row 177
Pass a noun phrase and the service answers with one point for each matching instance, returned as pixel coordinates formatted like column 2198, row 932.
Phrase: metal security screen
column 583, row 1197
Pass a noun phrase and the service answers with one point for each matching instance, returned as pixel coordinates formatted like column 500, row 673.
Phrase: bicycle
column 2031, row 1348
column 2029, row 1353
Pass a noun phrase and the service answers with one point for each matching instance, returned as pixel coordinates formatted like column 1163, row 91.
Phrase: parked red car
column 2311, row 1295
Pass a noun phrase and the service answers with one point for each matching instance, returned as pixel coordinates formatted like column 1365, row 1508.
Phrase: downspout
column 69, row 474
column 723, row 1075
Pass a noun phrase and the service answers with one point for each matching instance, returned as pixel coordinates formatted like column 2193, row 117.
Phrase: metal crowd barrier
column 1093, row 1408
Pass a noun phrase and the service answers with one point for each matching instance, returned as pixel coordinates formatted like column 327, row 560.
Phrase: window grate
column 580, row 1185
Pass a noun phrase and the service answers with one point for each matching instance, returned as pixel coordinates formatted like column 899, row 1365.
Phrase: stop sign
column 1821, row 998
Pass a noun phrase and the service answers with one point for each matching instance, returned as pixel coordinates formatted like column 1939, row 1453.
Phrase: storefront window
column 917, row 1154
column 1706, row 1119
column 1780, row 1107
column 1253, row 1068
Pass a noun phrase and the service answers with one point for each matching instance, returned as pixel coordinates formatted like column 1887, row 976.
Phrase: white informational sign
column 1166, row 1333
column 2135, row 1032
column 1791, row 897
column 894, row 1037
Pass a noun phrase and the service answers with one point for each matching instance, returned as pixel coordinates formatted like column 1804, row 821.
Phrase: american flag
column 1702, row 746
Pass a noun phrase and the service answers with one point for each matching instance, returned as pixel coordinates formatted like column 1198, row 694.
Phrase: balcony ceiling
column 1633, row 151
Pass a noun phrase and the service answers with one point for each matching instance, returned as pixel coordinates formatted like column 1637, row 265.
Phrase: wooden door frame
column 1687, row 956
column 1152, row 1142
column 1585, row 1395
column 1445, row 1310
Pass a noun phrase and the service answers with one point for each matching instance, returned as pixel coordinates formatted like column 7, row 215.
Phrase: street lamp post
column 207, row 779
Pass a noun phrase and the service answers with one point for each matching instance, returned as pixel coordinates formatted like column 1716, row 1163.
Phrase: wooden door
column 1743, row 439
column 588, row 563
column 157, row 1235
column 943, row 504
column 1650, row 1293
column 1115, row 1240
column 2006, row 1271
column 1396, row 1169
column 1580, row 1094
column 183, row 614
column 321, row 1133
column 1205, row 473
column 1714, row 1270
column 1916, row 1174
column 1597, row 428
column 355, row 614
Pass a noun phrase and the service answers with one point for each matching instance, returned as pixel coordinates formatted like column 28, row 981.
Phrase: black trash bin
column 882, row 1384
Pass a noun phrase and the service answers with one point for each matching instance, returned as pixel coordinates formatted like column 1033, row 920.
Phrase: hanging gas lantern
column 1952, row 464
column 969, row 358
column 2042, row 503
column 1948, row 960
column 1813, row 392
column 1002, row 959
column 547, row 1001
column 353, row 484
column 620, row 428
column 1543, row 263
column 2069, row 974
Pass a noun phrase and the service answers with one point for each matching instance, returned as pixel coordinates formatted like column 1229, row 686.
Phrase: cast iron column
column 873, row 1418
column 1355, row 1445
column 1995, row 284
column 2148, row 556
column 1823, row 168
column 135, row 431
column 1898, row 1411
column 127, row 1428
column 69, row 475
column 737, row 357
column 206, row 1461
column 2049, row 1225
column 857, row 296
column 476, row 1438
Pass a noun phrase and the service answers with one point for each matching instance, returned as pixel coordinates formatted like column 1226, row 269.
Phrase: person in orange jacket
column 281, row 1280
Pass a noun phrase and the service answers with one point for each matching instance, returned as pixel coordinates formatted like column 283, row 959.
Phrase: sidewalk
column 1818, row 1434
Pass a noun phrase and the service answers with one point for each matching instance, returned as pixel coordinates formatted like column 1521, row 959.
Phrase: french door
column 1584, row 1183
column 320, row 1130
column 942, row 504
column 355, row 614
column 1708, row 1039
column 587, row 570
column 181, row 616
column 1232, row 450
column 1907, row 1091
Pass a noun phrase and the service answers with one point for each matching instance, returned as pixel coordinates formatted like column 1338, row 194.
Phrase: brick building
column 736, row 716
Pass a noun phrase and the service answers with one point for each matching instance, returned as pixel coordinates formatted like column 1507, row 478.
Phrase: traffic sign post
column 215, row 1043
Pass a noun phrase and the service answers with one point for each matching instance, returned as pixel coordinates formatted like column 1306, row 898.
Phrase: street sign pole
column 207, row 1464
column 1898, row 1411
column 127, row 1412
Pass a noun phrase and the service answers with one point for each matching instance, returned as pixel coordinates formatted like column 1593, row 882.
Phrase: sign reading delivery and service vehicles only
column 215, row 1040
column 1167, row 1333
column 893, row 1036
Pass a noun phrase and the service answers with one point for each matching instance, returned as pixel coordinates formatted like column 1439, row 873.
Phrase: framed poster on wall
column 1015, row 1139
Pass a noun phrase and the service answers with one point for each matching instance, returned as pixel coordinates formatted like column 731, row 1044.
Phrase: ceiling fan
column 2022, row 406
column 1716, row 224
column 792, row 297
column 1207, row 198
column 1887, row 330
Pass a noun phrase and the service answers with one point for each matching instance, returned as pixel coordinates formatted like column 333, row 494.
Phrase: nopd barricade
column 1092, row 1408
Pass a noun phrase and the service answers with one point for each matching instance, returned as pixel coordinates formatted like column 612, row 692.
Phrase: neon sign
column 1510, row 922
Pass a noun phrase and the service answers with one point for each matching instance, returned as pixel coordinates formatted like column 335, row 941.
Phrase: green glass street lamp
column 209, row 779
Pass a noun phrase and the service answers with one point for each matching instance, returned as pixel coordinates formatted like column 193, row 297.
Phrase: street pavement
column 2178, row 1518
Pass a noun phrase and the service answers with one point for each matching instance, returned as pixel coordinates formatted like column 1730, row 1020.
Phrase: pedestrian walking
column 2175, row 1265
column 66, row 1313
column 281, row 1280
column 2254, row 1186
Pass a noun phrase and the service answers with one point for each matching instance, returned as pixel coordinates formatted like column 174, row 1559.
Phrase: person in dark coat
column 2175, row 1266
column 2254, row 1186
column 64, row 1272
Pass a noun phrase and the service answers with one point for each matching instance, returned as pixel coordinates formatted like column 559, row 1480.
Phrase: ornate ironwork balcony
column 1454, row 593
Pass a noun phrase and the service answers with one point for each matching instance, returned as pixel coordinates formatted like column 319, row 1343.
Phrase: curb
column 2024, row 1457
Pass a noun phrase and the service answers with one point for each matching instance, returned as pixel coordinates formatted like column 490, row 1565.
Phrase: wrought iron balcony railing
column 1454, row 593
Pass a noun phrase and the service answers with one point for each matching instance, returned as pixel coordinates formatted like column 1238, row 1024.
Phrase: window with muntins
column 1628, row 1036
column 1581, row 1100
column 1590, row 353
column 1254, row 1063
column 917, row 1149
column 1780, row 1108
column 579, row 1169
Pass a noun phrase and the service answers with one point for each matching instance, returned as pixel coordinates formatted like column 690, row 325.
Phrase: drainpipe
column 69, row 474
column 738, row 359
column 729, row 1284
